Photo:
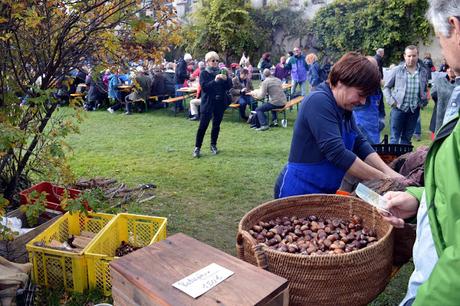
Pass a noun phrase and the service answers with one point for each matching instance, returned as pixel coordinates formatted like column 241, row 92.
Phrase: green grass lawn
column 204, row 198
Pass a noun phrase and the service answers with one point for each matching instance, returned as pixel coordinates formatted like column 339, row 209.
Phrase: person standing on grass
column 436, row 252
column 367, row 116
column 182, row 75
column 441, row 93
column 215, row 85
column 298, row 67
column 406, row 92
column 379, row 54
column 313, row 75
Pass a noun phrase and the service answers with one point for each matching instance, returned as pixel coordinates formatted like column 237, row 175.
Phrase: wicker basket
column 354, row 278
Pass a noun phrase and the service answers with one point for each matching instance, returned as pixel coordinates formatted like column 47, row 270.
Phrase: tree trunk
column 11, row 186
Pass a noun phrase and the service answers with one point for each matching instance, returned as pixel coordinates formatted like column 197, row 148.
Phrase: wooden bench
column 181, row 99
column 77, row 95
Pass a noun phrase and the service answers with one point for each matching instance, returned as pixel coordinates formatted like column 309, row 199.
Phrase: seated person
column 170, row 80
column 194, row 104
column 141, row 91
column 273, row 87
column 242, row 85
column 97, row 93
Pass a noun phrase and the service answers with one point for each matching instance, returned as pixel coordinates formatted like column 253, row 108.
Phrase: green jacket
column 442, row 190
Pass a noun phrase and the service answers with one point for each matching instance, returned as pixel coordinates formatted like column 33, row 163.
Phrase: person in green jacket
column 436, row 253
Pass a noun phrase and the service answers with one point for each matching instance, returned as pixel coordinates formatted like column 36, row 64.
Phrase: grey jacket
column 395, row 87
column 273, row 87
column 238, row 86
column 442, row 89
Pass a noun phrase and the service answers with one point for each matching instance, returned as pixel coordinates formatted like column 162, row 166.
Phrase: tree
column 367, row 25
column 219, row 25
column 40, row 42
column 273, row 20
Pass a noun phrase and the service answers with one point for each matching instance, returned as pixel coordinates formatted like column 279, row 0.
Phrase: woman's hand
column 221, row 76
column 402, row 205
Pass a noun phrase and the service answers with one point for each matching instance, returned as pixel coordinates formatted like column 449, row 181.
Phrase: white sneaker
column 110, row 110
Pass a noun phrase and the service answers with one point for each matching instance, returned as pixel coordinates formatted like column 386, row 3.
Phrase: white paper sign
column 203, row 280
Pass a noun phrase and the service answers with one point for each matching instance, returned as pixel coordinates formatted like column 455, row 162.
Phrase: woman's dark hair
column 266, row 55
column 355, row 70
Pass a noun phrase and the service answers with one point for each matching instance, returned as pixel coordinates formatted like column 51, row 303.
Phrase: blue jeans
column 303, row 87
column 402, row 125
column 178, row 105
column 418, row 127
column 244, row 100
column 265, row 108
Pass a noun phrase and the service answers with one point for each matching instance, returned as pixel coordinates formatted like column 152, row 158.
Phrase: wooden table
column 286, row 86
column 188, row 89
column 145, row 277
column 125, row 88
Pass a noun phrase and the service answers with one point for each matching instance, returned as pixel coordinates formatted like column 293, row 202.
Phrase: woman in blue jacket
column 326, row 143
column 313, row 74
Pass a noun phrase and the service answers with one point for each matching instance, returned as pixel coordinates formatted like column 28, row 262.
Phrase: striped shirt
column 412, row 95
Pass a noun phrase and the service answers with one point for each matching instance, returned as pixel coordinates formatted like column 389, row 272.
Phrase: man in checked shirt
column 406, row 91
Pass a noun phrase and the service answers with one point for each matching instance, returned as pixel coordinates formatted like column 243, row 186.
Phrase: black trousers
column 205, row 118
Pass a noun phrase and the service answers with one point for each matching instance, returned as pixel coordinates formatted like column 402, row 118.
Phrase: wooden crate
column 145, row 277
column 15, row 250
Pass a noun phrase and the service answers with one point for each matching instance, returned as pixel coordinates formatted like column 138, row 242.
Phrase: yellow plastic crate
column 137, row 230
column 62, row 269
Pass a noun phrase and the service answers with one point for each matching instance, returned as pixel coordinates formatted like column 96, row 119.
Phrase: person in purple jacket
column 326, row 143
column 299, row 68
column 280, row 70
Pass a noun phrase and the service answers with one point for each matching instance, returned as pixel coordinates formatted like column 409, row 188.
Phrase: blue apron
column 367, row 118
column 320, row 177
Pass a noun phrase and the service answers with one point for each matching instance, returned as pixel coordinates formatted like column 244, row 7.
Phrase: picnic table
column 125, row 88
column 188, row 89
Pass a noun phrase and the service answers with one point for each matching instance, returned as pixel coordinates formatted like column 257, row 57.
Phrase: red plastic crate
column 54, row 194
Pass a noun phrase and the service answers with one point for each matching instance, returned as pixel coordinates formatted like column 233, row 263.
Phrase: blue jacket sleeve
column 324, row 123
column 314, row 74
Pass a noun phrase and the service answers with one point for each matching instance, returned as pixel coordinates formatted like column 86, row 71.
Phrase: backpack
column 253, row 121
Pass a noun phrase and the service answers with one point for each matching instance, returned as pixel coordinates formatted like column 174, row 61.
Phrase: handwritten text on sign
column 203, row 280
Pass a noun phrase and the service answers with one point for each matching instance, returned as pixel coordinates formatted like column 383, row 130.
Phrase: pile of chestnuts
column 314, row 235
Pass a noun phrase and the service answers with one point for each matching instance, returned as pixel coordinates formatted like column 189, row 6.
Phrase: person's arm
column 376, row 162
column 228, row 83
column 364, row 171
column 402, row 205
column 389, row 84
column 261, row 93
column 315, row 75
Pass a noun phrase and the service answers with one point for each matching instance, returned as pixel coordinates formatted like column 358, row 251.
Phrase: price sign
column 203, row 280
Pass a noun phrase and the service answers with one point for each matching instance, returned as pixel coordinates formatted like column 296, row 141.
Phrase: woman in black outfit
column 214, row 101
